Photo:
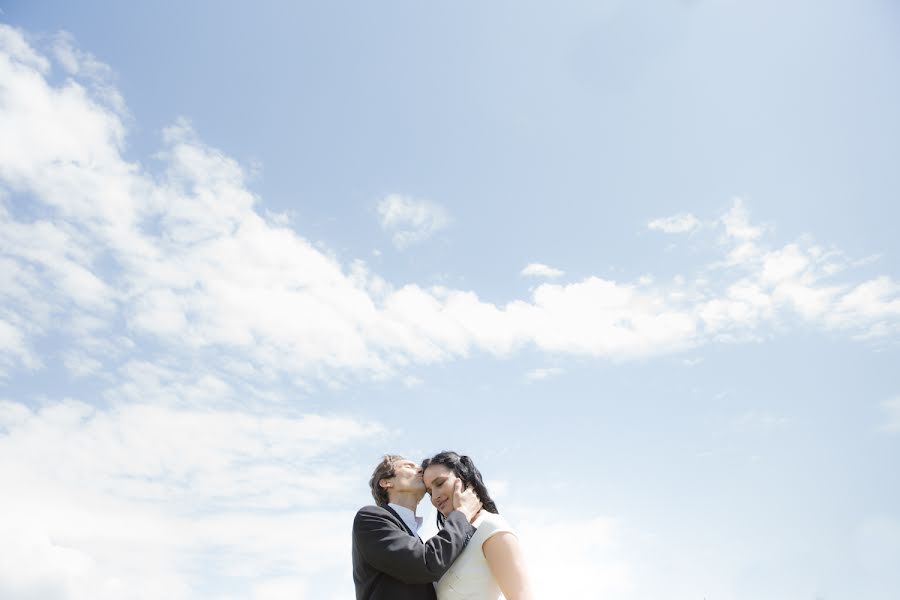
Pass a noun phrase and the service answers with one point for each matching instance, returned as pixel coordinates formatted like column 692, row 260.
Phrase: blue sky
column 638, row 259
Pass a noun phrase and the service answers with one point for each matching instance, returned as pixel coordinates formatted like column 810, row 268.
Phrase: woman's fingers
column 457, row 493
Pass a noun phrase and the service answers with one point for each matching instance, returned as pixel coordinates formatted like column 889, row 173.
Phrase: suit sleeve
column 393, row 551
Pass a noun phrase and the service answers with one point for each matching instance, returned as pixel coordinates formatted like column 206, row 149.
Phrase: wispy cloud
column 543, row 373
column 541, row 270
column 411, row 220
column 680, row 223
column 189, row 487
column 14, row 350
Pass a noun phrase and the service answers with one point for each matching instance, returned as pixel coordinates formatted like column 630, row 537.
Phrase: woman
column 492, row 562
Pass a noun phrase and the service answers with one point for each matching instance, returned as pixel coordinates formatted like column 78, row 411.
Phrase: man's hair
column 384, row 470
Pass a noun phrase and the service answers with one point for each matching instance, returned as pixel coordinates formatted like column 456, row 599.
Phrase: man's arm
column 393, row 551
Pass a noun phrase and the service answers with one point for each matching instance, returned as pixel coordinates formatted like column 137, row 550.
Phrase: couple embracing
column 474, row 556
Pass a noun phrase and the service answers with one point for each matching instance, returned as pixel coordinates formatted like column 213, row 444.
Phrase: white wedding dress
column 470, row 577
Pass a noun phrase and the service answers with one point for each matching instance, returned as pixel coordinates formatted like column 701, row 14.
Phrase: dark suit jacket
column 391, row 563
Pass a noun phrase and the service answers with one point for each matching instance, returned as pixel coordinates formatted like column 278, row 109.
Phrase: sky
column 637, row 259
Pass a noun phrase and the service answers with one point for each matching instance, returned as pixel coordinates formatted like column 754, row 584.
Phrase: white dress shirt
column 408, row 516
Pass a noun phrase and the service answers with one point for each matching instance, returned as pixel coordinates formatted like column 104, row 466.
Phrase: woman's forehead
column 435, row 471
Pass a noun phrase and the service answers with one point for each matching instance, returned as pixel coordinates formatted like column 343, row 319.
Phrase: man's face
column 407, row 478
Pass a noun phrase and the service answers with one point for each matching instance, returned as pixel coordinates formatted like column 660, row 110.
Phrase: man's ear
column 385, row 484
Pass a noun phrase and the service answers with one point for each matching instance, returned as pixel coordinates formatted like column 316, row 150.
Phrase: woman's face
column 439, row 482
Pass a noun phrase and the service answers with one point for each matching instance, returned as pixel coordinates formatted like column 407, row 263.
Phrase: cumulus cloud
column 680, row 223
column 187, row 262
column 411, row 220
column 540, row 270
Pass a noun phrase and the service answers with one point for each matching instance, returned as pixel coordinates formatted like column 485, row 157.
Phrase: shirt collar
column 408, row 516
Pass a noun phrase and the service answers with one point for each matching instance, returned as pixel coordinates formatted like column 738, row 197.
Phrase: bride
column 492, row 561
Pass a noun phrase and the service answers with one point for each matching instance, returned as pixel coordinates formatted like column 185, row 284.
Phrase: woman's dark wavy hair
column 466, row 471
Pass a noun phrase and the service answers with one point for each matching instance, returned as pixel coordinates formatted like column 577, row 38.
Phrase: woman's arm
column 505, row 560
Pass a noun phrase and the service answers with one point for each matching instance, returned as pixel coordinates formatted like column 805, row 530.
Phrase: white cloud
column 151, row 452
column 876, row 299
column 14, row 349
column 785, row 264
column 188, row 304
column 185, row 260
column 540, row 270
column 411, row 220
column 81, row 365
column 543, row 373
column 14, row 45
column 737, row 223
column 892, row 409
column 138, row 497
column 680, row 223
column 76, row 61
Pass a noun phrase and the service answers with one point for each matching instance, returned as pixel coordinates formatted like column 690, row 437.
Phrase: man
column 390, row 561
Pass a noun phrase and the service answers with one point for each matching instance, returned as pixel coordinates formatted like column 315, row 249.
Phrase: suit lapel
column 402, row 522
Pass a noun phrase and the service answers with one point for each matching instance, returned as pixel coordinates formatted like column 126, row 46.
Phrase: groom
column 390, row 561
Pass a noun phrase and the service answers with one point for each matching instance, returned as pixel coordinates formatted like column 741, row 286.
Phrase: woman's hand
column 466, row 502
